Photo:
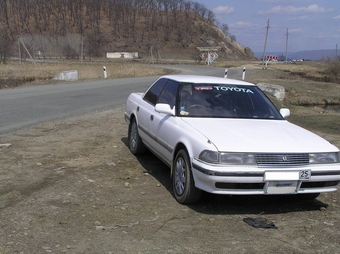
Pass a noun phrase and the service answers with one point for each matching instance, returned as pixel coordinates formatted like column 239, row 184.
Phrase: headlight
column 323, row 158
column 209, row 156
column 238, row 158
column 227, row 158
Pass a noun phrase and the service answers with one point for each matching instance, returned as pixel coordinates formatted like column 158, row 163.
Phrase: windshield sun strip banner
column 223, row 88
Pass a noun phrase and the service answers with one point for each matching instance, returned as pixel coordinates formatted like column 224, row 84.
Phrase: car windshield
column 224, row 101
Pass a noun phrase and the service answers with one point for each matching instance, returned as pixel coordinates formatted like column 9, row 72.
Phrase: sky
column 311, row 24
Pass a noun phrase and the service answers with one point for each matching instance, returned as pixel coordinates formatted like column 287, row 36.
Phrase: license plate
column 305, row 174
column 281, row 187
column 302, row 175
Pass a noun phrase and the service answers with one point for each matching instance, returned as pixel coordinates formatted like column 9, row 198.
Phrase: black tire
column 182, row 180
column 136, row 145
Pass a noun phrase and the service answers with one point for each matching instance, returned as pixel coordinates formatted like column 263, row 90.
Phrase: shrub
column 332, row 71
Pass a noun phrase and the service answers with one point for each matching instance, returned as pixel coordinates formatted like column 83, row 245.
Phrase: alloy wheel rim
column 133, row 136
column 180, row 176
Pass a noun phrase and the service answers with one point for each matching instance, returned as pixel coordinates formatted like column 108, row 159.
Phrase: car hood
column 256, row 135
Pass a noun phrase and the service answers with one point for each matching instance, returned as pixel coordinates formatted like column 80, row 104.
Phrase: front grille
column 240, row 186
column 282, row 159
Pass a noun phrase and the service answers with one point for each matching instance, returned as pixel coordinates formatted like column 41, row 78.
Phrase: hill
column 75, row 28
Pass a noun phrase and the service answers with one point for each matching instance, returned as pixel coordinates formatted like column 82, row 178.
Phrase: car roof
column 200, row 79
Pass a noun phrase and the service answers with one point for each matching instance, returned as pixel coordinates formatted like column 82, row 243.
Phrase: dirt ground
column 72, row 186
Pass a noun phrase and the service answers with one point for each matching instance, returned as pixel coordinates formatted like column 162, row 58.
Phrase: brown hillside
column 71, row 28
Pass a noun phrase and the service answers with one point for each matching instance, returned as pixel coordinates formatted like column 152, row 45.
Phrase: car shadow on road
column 231, row 204
column 259, row 204
column 153, row 166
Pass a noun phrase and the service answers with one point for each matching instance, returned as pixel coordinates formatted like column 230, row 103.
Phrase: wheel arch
column 131, row 118
column 177, row 148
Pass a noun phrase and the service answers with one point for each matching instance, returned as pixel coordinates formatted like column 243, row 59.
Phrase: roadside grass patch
column 14, row 74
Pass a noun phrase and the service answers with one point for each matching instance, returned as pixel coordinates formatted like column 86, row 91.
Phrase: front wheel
column 182, row 180
column 135, row 142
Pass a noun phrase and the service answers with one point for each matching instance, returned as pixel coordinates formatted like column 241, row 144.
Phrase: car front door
column 163, row 126
column 147, row 109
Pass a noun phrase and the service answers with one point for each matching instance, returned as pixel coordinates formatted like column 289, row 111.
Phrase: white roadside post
column 209, row 59
column 244, row 73
column 226, row 73
column 105, row 73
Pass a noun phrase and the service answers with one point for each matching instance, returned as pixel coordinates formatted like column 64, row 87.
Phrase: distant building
column 126, row 55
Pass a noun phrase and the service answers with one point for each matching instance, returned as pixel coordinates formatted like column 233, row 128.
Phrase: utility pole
column 23, row 44
column 19, row 49
column 287, row 46
column 265, row 45
column 336, row 52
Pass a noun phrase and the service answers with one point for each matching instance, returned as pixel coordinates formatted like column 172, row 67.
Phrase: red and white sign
column 272, row 58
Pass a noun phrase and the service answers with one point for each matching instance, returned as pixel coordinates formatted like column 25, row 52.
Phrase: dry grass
column 304, row 82
column 44, row 71
column 14, row 74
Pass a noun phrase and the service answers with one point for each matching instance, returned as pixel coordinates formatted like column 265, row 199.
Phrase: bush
column 332, row 71
column 5, row 46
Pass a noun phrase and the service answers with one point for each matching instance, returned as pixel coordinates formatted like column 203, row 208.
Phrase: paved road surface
column 25, row 106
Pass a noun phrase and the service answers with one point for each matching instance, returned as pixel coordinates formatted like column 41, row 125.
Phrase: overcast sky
column 312, row 24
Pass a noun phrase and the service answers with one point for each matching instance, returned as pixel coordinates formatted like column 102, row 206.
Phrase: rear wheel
column 183, row 182
column 135, row 142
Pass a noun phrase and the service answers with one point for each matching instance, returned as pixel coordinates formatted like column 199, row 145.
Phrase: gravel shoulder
column 72, row 186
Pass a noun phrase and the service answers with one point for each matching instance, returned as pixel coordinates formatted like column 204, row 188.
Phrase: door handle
column 151, row 117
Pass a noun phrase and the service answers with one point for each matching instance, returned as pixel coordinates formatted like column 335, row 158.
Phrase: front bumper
column 253, row 180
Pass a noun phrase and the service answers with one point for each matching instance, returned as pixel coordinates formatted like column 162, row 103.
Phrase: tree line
column 134, row 23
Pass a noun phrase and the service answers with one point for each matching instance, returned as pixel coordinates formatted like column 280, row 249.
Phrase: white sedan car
column 225, row 136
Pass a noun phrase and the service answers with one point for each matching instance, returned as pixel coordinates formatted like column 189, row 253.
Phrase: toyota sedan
column 225, row 136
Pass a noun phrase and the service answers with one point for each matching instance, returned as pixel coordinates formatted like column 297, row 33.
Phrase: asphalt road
column 26, row 106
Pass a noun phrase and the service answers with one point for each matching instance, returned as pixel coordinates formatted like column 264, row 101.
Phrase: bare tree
column 5, row 47
column 71, row 45
column 130, row 22
column 95, row 40
column 225, row 29
column 211, row 17
column 199, row 9
column 4, row 17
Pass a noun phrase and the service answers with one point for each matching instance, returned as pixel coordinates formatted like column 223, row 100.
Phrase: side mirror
column 165, row 109
column 285, row 112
